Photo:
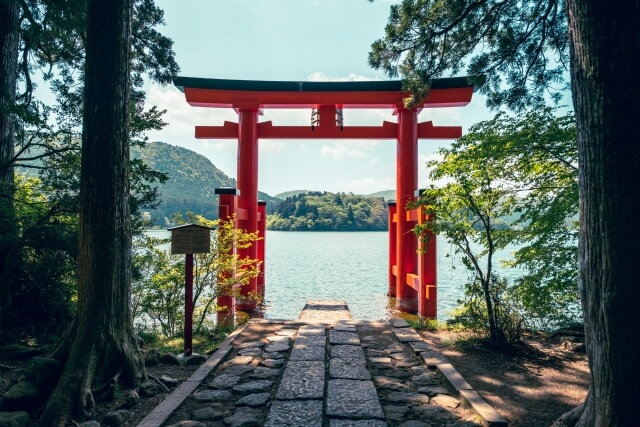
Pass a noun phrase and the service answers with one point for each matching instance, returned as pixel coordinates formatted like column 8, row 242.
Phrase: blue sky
column 290, row 40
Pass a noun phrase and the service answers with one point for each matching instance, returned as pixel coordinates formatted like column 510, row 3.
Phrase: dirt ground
column 529, row 389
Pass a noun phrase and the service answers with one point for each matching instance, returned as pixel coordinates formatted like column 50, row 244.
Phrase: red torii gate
column 327, row 100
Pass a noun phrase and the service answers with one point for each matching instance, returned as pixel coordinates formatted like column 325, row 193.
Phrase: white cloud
column 181, row 117
column 269, row 146
column 319, row 76
column 342, row 151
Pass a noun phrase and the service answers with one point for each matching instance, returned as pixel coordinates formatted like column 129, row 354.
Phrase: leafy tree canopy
column 518, row 51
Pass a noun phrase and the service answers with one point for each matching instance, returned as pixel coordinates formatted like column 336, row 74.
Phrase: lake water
column 350, row 266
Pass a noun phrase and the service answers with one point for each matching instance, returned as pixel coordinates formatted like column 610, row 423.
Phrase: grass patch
column 423, row 324
column 205, row 342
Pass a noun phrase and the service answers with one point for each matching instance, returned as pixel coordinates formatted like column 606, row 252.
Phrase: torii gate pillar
column 406, row 185
column 248, row 198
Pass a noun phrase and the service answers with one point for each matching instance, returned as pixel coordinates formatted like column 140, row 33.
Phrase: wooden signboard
column 190, row 239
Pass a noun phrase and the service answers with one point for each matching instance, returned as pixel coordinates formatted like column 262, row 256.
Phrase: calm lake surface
column 350, row 266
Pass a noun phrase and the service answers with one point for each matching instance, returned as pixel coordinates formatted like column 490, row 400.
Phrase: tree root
column 160, row 383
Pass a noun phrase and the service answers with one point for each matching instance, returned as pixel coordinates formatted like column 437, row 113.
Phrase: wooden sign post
column 189, row 239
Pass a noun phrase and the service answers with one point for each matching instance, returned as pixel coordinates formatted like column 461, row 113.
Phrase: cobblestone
column 325, row 369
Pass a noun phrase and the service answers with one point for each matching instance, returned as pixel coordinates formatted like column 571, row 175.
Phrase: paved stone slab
column 250, row 344
column 482, row 408
column 277, row 347
column 454, row 378
column 206, row 413
column 273, row 355
column 418, row 346
column 302, row 380
column 390, row 383
column 433, row 390
column 312, row 330
column 254, row 400
column 353, row 399
column 244, row 416
column 406, row 334
column 251, row 351
column 224, row 382
column 272, row 363
column 354, row 369
column 254, row 386
column 394, row 348
column 357, row 423
column 432, row 359
column 263, row 373
column 408, row 398
column 287, row 332
column 295, row 413
column 428, row 378
column 346, row 338
column 212, row 396
column 444, row 400
column 407, row 362
column 237, row 361
column 278, row 338
column 238, row 370
column 325, row 311
column 345, row 328
column 310, row 341
column 380, row 360
column 399, row 323
column 436, row 414
column 348, row 351
column 307, row 353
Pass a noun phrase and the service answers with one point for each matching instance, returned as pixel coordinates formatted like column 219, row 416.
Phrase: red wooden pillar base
column 427, row 271
column 226, row 210
column 392, row 248
column 262, row 229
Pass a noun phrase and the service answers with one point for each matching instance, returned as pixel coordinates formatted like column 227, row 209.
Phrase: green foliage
column 323, row 211
column 518, row 51
column 473, row 314
column 158, row 279
column 42, row 261
column 523, row 169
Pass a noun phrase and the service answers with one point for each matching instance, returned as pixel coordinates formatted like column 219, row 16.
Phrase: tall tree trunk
column 100, row 347
column 9, row 10
column 605, row 67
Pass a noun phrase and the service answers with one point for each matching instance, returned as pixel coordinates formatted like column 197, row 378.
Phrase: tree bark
column 100, row 348
column 9, row 10
column 605, row 67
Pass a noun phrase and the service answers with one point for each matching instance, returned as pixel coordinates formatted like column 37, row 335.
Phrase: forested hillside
column 323, row 211
column 191, row 184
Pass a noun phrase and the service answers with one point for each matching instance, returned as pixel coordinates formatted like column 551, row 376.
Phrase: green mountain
column 192, row 181
column 291, row 193
column 323, row 211
column 385, row 194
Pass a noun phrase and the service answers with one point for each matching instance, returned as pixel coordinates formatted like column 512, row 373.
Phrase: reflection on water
column 350, row 266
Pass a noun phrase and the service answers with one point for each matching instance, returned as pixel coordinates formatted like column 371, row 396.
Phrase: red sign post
column 189, row 239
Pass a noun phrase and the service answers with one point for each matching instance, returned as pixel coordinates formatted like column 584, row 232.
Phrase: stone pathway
column 327, row 370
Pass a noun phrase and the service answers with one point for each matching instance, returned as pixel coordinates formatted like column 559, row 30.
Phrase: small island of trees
column 324, row 211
